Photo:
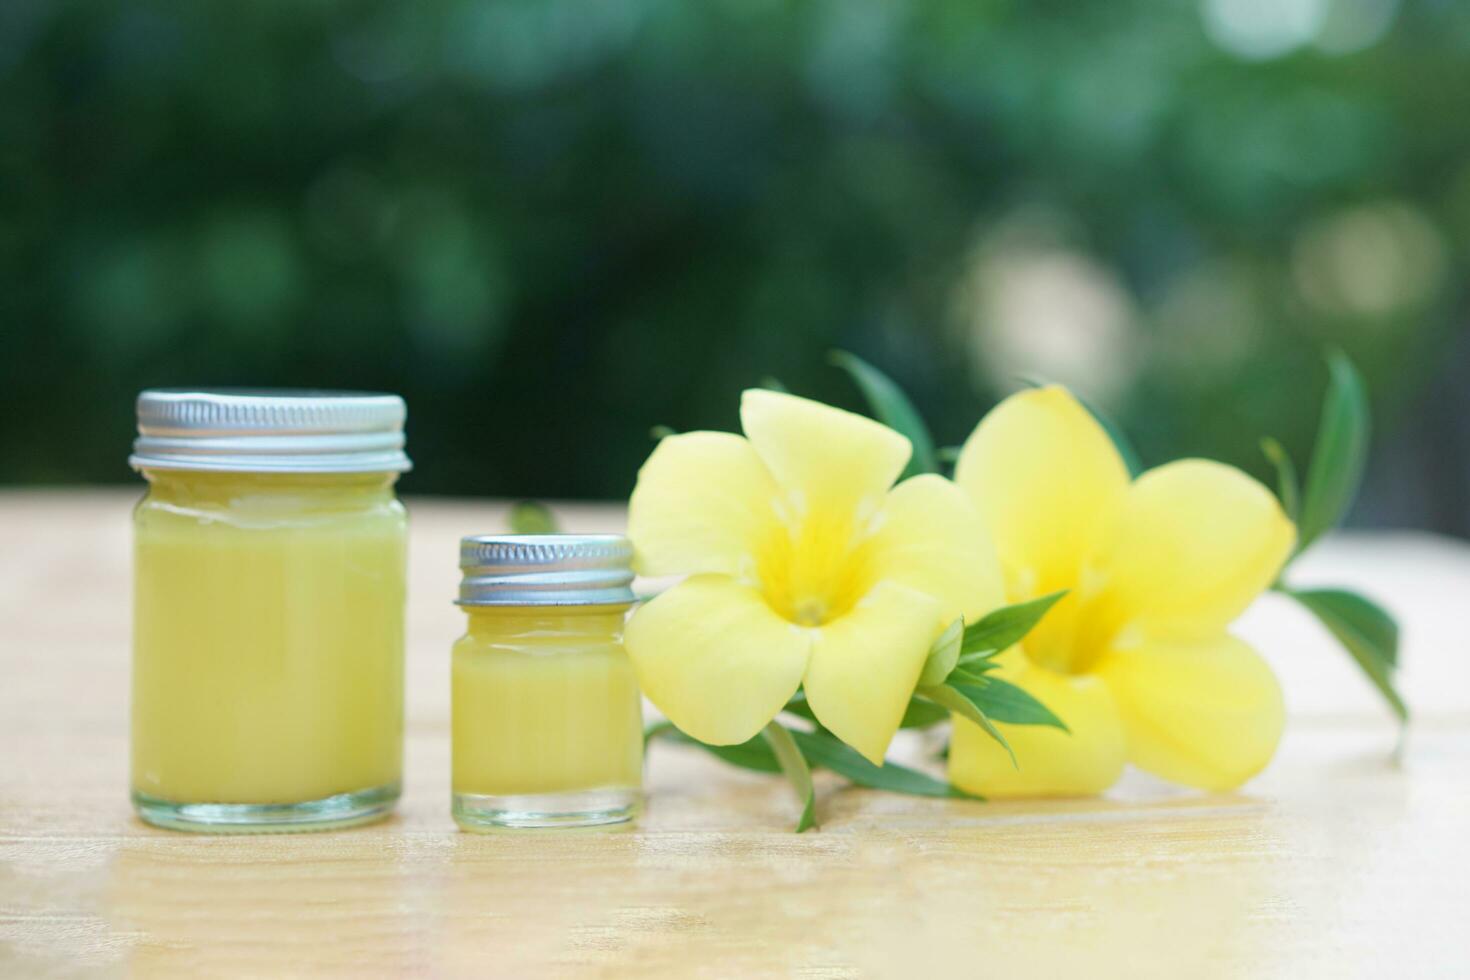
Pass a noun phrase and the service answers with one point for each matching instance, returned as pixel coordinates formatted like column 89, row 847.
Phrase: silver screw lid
column 546, row 570
column 247, row 430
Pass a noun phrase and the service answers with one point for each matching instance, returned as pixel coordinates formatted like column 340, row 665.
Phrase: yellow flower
column 808, row 568
column 1136, row 658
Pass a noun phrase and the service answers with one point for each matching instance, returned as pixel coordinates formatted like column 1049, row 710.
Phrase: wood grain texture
column 1339, row 861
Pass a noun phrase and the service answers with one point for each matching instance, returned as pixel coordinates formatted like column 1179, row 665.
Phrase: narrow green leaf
column 1366, row 617
column 754, row 754
column 921, row 714
column 1366, row 630
column 943, row 654
column 799, row 706
column 1004, row 701
column 798, row 773
column 1115, row 432
column 660, row 432
column 1006, row 626
column 772, row 383
column 1340, row 454
column 532, row 517
column 1288, row 488
column 831, row 753
column 973, row 671
column 956, row 701
column 893, row 408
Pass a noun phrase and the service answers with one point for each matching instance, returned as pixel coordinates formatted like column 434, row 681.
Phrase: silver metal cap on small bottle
column 546, row 570
column 245, row 430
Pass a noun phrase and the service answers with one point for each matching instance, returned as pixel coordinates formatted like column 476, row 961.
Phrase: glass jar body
column 547, row 719
column 267, row 649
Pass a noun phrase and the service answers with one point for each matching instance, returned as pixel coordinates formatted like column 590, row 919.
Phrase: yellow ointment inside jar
column 544, row 704
column 268, row 649
column 547, row 718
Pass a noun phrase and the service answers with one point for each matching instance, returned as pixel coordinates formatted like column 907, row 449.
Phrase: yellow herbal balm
column 547, row 719
column 268, row 609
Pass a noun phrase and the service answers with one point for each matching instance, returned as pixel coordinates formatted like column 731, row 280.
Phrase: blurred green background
column 553, row 224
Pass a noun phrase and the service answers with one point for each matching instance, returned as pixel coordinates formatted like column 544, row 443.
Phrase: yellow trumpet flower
column 1135, row 658
column 808, row 568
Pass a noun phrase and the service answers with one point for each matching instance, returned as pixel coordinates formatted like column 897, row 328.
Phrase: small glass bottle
column 547, row 718
column 269, row 570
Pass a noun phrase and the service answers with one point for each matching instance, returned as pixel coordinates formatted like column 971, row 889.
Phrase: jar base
column 579, row 808
column 329, row 813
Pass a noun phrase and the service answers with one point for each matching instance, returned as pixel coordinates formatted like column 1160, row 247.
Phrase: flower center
column 810, row 611
column 811, row 571
column 1075, row 633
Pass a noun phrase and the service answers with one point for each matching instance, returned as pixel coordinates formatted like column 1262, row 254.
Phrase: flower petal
column 822, row 457
column 865, row 664
column 931, row 538
column 1206, row 714
column 703, row 503
column 713, row 657
column 1193, row 544
column 1052, row 762
column 1044, row 475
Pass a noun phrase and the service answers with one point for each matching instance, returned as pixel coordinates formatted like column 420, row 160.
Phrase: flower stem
column 798, row 773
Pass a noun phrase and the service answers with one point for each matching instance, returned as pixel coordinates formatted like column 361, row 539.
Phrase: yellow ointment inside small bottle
column 547, row 717
column 268, row 643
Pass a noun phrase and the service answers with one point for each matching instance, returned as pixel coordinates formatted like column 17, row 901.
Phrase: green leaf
column 660, row 432
column 824, row 749
column 754, row 754
column 955, row 700
column 922, row 713
column 1340, row 454
column 1115, row 432
column 948, row 454
column 943, row 654
column 771, row 383
column 1288, row 489
column 830, row 753
column 974, row 671
column 1368, row 632
column 798, row 773
column 1366, row 617
column 1004, row 701
column 893, row 408
column 1006, row 626
column 799, row 706
column 531, row 517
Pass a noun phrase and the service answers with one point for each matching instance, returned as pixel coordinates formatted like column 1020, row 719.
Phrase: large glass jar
column 547, row 719
column 269, row 567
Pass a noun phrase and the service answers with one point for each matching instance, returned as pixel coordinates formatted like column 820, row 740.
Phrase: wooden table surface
column 1338, row 861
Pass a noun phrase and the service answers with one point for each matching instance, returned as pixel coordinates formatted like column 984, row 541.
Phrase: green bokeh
column 552, row 224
